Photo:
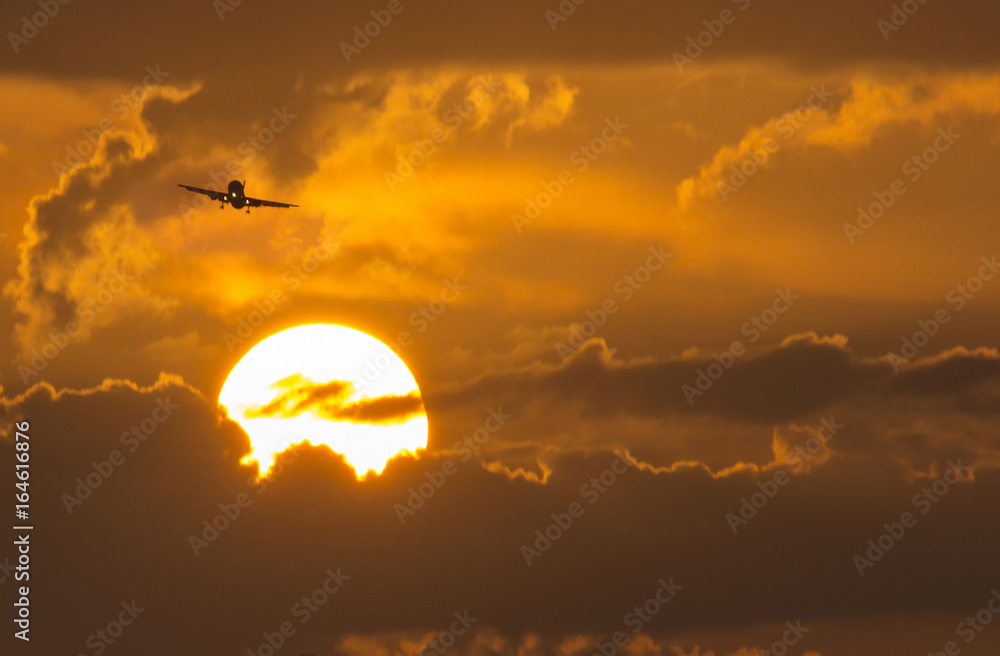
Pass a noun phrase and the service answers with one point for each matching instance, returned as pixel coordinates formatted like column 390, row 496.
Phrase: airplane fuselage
column 235, row 195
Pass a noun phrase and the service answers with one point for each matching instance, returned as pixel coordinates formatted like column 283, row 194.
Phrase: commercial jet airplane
column 236, row 197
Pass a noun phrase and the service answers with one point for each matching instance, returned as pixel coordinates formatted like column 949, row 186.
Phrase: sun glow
column 326, row 384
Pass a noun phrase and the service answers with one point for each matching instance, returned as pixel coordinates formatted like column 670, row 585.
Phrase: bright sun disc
column 326, row 384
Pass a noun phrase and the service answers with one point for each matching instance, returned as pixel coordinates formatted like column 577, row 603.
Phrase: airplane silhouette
column 236, row 197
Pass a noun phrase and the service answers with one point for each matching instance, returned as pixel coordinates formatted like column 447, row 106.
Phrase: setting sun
column 326, row 384
column 702, row 299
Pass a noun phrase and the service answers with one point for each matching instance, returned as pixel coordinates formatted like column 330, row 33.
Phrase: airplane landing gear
column 248, row 210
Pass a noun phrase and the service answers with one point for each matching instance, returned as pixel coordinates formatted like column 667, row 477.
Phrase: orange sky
column 687, row 239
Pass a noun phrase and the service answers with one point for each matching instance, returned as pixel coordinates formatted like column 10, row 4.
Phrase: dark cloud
column 378, row 410
column 802, row 376
column 956, row 374
column 462, row 548
column 933, row 409
column 306, row 36
column 302, row 395
column 84, row 260
column 329, row 400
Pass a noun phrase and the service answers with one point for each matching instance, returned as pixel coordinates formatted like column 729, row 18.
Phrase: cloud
column 551, row 111
column 770, row 387
column 760, row 407
column 410, row 106
column 871, row 107
column 490, row 642
column 84, row 254
column 378, row 410
column 308, row 38
column 302, row 395
column 278, row 548
column 527, row 95
column 330, row 401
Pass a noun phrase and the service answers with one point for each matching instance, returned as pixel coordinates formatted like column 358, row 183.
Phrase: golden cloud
column 871, row 106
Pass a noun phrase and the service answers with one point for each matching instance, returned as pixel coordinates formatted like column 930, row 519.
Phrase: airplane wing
column 214, row 195
column 256, row 202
